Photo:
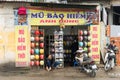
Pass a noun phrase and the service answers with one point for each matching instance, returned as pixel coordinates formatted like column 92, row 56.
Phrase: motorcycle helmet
column 80, row 32
column 80, row 44
column 85, row 32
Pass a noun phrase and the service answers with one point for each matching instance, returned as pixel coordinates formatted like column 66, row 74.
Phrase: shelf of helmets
column 51, row 45
column 37, row 48
column 68, row 41
column 84, row 40
column 58, row 45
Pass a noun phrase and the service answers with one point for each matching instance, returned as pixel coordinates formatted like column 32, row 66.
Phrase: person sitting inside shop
column 51, row 63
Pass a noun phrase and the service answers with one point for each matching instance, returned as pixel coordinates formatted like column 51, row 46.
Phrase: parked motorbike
column 109, row 60
column 86, row 63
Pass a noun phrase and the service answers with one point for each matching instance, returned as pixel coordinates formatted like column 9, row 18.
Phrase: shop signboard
column 95, row 42
column 21, row 46
column 49, row 17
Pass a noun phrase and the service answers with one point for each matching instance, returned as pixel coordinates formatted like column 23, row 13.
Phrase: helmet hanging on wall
column 22, row 11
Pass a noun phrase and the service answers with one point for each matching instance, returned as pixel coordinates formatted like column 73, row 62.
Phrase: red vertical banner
column 21, row 33
column 95, row 42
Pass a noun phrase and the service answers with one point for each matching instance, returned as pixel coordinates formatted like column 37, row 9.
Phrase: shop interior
column 43, row 40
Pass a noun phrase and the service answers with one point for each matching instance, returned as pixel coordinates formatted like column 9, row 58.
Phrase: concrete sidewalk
column 28, row 69
column 67, row 73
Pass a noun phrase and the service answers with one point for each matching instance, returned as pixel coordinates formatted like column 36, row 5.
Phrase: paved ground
column 68, row 73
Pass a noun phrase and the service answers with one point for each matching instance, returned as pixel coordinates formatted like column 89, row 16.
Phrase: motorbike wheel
column 107, row 66
column 93, row 73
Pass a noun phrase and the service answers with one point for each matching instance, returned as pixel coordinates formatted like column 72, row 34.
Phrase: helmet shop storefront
column 61, row 31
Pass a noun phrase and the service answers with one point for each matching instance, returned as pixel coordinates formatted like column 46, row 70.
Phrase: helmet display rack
column 58, row 45
column 69, row 43
column 37, row 47
column 84, row 40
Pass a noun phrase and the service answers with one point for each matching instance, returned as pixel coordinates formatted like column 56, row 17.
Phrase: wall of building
column 115, row 2
column 7, row 33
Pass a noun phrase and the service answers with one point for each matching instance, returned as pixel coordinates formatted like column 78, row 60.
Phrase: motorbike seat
column 86, row 61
